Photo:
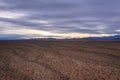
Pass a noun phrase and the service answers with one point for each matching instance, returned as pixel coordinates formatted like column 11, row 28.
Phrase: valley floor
column 59, row 60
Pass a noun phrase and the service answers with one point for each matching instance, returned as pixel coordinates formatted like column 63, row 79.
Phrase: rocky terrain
column 59, row 60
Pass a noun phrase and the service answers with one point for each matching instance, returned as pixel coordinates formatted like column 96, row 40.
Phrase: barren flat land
column 59, row 60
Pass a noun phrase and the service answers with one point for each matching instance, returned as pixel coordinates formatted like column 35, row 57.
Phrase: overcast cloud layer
column 59, row 18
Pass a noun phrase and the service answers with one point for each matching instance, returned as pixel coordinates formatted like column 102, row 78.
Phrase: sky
column 26, row 19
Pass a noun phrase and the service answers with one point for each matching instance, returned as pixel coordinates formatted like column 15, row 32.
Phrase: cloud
column 117, row 30
column 64, row 17
column 2, row 4
column 33, row 33
column 12, row 14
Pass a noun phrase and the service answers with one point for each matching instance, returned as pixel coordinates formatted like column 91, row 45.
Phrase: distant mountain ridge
column 115, row 37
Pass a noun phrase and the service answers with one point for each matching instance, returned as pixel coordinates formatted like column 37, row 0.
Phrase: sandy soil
column 59, row 60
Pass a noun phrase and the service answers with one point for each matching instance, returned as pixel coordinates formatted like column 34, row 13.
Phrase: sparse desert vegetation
column 59, row 60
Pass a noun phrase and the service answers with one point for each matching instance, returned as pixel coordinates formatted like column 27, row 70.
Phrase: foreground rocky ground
column 59, row 60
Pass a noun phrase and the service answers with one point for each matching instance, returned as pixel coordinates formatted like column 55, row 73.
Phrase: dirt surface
column 59, row 60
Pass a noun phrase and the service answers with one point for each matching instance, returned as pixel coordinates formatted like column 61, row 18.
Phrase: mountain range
column 115, row 37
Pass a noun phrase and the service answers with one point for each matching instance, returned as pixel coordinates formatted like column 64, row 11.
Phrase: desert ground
column 59, row 60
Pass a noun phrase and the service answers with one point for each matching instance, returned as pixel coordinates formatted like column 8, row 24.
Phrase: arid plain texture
column 59, row 60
